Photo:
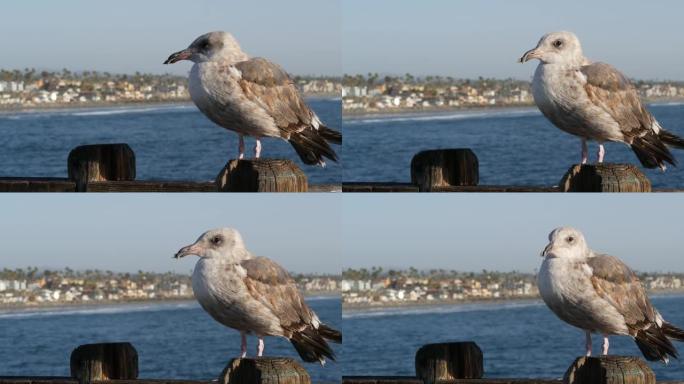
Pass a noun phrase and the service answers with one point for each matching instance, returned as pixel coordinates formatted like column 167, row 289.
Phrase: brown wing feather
column 619, row 285
column 271, row 285
column 268, row 85
column 615, row 94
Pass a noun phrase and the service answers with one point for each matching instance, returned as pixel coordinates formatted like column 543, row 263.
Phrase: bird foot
column 260, row 347
column 257, row 149
column 606, row 344
column 601, row 154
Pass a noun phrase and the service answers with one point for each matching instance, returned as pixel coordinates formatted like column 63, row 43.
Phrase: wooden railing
column 457, row 170
column 112, row 168
column 463, row 363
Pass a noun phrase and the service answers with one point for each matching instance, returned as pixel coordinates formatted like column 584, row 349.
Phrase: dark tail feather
column 330, row 135
column 311, row 145
column 673, row 332
column 654, row 344
column 311, row 346
column 651, row 150
column 330, row 334
column 671, row 139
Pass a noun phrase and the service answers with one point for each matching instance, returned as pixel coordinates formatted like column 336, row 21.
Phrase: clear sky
column 128, row 232
column 504, row 232
column 138, row 35
column 467, row 38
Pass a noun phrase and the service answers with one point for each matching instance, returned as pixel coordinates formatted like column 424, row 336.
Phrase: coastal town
column 33, row 287
column 376, row 287
column 29, row 88
column 372, row 94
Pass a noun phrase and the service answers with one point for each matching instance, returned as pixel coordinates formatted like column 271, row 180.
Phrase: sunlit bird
column 600, row 294
column 253, row 97
column 595, row 102
column 255, row 295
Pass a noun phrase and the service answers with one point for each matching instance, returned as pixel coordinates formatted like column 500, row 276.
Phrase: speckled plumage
column 253, row 97
column 600, row 294
column 255, row 295
column 594, row 101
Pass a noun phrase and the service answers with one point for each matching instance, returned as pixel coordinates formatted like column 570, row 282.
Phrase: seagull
column 253, row 97
column 595, row 102
column 255, row 295
column 600, row 294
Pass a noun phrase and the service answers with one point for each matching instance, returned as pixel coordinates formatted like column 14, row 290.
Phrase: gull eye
column 216, row 240
column 558, row 43
column 570, row 239
column 205, row 45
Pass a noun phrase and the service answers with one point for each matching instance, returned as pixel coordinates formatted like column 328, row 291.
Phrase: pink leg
column 585, row 151
column 243, row 345
column 241, row 148
column 588, row 343
column 257, row 148
column 605, row 344
column 260, row 347
column 601, row 153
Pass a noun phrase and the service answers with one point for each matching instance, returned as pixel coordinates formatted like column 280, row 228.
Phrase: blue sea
column 514, row 146
column 171, row 142
column 518, row 339
column 174, row 340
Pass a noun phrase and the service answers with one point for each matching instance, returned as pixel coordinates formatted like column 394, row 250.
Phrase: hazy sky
column 466, row 38
column 505, row 232
column 128, row 232
column 127, row 36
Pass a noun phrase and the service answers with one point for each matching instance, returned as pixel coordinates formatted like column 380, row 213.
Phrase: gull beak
column 547, row 250
column 193, row 249
column 529, row 55
column 185, row 54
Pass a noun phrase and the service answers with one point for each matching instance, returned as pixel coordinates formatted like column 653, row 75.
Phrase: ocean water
column 171, row 142
column 173, row 340
column 513, row 146
column 518, row 339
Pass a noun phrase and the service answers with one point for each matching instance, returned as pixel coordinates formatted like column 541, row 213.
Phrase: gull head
column 212, row 46
column 567, row 243
column 216, row 243
column 556, row 48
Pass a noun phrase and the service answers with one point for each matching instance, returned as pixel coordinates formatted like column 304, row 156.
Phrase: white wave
column 94, row 310
column 667, row 104
column 104, row 111
column 323, row 297
column 443, row 116
column 432, row 309
column 119, row 111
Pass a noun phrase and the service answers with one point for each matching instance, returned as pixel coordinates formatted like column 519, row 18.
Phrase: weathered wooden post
column 449, row 361
column 609, row 370
column 604, row 178
column 264, row 370
column 443, row 168
column 105, row 361
column 261, row 175
column 100, row 162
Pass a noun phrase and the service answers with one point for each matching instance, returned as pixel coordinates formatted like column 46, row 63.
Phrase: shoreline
column 439, row 112
column 365, row 307
column 89, row 106
column 357, row 307
column 46, row 306
column 358, row 114
column 116, row 104
column 403, row 112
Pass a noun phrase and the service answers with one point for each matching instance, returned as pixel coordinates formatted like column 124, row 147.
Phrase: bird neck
column 240, row 254
column 230, row 55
